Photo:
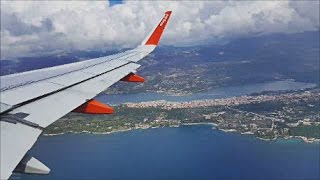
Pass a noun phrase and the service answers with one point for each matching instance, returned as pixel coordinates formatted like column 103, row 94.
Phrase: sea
column 185, row 152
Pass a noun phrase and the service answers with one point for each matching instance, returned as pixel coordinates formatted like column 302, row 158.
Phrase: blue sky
column 34, row 28
column 114, row 2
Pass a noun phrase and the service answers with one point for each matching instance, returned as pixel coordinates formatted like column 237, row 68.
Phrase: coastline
column 225, row 114
column 304, row 139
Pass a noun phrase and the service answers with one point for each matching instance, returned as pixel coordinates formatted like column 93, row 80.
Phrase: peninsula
column 266, row 115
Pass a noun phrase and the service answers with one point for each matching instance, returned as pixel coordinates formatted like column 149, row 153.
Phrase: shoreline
column 169, row 92
column 304, row 139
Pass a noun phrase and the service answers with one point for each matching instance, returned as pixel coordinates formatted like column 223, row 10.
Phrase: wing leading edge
column 31, row 101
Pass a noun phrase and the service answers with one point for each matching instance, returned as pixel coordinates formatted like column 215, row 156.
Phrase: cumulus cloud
column 32, row 28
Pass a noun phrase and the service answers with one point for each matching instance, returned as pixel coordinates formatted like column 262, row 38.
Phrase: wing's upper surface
column 31, row 101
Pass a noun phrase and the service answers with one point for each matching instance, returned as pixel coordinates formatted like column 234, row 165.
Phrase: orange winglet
column 155, row 37
column 133, row 78
column 94, row 107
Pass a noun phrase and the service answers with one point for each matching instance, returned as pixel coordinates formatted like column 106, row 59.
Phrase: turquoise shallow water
column 188, row 152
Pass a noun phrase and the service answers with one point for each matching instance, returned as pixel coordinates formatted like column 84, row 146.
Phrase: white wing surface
column 30, row 101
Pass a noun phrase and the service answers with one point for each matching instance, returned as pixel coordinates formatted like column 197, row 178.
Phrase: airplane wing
column 30, row 101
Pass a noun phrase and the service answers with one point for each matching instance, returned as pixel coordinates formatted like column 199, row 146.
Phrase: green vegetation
column 127, row 118
column 306, row 131
column 265, row 119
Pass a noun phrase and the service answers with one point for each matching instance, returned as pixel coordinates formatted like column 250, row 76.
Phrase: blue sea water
column 188, row 152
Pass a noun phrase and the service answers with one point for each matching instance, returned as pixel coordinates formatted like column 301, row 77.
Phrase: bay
column 188, row 152
column 223, row 92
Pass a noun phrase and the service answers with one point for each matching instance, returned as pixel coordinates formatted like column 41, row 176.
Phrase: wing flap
column 16, row 140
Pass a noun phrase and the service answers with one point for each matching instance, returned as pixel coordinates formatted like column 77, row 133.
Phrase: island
column 267, row 115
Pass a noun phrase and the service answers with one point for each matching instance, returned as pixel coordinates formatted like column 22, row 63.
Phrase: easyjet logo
column 165, row 18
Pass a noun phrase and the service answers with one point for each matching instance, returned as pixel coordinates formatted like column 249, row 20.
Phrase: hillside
column 199, row 68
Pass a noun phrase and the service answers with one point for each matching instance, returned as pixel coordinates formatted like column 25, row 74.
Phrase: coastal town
column 265, row 115
column 233, row 101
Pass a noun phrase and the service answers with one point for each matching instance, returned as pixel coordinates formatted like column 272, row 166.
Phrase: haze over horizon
column 36, row 28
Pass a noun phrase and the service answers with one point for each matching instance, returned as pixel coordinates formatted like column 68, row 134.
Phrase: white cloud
column 31, row 28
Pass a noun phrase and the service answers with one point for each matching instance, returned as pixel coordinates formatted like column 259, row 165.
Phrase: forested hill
column 197, row 68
